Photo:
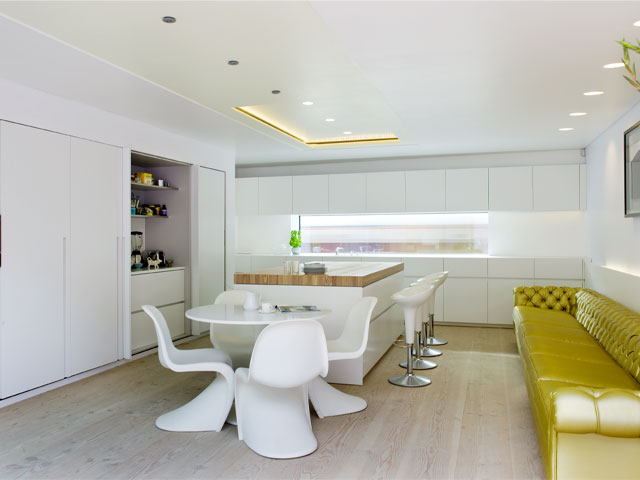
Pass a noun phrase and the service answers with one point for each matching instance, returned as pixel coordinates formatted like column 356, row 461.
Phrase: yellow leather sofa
column 580, row 354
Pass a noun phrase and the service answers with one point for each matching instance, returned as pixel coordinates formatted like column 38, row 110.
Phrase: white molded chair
column 410, row 299
column 236, row 340
column 209, row 410
column 272, row 401
column 327, row 400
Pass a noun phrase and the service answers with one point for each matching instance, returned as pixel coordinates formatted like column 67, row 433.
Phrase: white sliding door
column 211, row 235
column 96, row 214
column 34, row 203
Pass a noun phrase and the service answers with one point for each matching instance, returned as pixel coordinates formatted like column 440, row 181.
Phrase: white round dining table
column 237, row 315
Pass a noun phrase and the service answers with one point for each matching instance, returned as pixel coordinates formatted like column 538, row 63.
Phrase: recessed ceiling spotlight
column 307, row 103
column 565, row 129
column 577, row 114
column 329, row 119
column 613, row 65
column 595, row 92
column 347, row 133
column 636, row 24
column 169, row 19
column 275, row 92
column 233, row 62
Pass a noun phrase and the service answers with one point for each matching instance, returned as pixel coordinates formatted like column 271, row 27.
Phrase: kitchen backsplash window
column 413, row 233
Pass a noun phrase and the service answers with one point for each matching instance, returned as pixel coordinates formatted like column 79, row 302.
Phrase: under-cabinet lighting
column 595, row 92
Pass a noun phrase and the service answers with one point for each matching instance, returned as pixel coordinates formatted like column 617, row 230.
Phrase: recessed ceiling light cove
column 565, row 129
column 233, row 63
column 169, row 19
column 613, row 65
column 577, row 114
column 595, row 92
column 307, row 103
column 329, row 119
column 320, row 142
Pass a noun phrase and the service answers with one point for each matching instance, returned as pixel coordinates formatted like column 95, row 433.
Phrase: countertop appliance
column 136, row 246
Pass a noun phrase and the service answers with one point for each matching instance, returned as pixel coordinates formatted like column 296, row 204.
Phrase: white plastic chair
column 236, row 340
column 209, row 410
column 272, row 401
column 327, row 400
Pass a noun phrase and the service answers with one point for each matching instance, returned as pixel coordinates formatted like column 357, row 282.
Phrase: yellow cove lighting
column 322, row 142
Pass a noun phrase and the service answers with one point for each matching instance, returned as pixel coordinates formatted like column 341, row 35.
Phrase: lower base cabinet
column 163, row 289
column 465, row 300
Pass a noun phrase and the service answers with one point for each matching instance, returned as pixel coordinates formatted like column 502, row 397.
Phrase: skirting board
column 619, row 286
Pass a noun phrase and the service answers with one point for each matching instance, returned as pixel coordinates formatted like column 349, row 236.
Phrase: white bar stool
column 410, row 300
column 418, row 362
column 432, row 339
column 425, row 311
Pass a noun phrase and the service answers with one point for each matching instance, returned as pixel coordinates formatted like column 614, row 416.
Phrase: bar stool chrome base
column 410, row 380
column 435, row 341
column 427, row 351
column 420, row 364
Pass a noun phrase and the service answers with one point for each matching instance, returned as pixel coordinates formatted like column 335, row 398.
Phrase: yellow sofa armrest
column 612, row 412
column 561, row 299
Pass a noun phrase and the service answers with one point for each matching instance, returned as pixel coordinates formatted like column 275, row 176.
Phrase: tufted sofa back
column 562, row 299
column 615, row 327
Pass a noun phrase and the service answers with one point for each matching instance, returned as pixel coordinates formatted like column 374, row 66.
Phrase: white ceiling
column 445, row 77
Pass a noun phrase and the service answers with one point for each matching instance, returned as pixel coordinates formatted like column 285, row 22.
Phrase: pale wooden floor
column 472, row 422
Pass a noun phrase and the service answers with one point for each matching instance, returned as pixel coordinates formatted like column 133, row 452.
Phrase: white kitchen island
column 338, row 289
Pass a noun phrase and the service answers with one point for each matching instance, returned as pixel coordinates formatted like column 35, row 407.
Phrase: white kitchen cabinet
column 276, row 195
column 465, row 300
column 556, row 187
column 467, row 190
column 267, row 261
column 247, row 197
column 34, row 203
column 163, row 289
column 511, row 267
column 425, row 191
column 466, row 267
column 143, row 333
column 500, row 298
column 422, row 266
column 310, row 194
column 95, row 226
column 211, row 242
column 347, row 193
column 385, row 192
column 559, row 268
column 510, row 188
column 242, row 263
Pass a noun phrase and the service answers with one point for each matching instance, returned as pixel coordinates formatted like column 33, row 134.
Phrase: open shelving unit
column 150, row 216
column 142, row 186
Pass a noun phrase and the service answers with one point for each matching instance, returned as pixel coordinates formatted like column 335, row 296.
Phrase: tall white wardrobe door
column 211, row 228
column 96, row 215
column 34, row 203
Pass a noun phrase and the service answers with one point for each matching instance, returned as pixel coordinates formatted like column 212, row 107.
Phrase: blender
column 136, row 254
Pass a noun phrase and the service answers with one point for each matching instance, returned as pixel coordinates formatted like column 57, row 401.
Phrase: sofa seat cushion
column 566, row 369
column 575, row 334
column 570, row 351
column 547, row 317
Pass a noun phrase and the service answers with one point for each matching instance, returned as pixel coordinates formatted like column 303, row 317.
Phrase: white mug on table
column 252, row 301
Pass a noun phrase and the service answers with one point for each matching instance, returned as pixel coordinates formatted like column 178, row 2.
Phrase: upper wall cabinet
column 311, row 194
column 510, row 188
column 556, row 187
column 347, row 193
column 275, row 194
column 247, row 197
column 425, row 191
column 467, row 190
column 385, row 192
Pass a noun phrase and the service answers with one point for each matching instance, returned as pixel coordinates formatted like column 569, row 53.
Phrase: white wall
column 614, row 240
column 32, row 107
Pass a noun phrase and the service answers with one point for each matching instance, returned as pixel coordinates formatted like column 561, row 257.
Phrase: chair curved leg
column 206, row 412
column 329, row 401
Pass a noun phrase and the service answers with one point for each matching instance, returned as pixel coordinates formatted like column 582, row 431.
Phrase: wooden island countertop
column 339, row 274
